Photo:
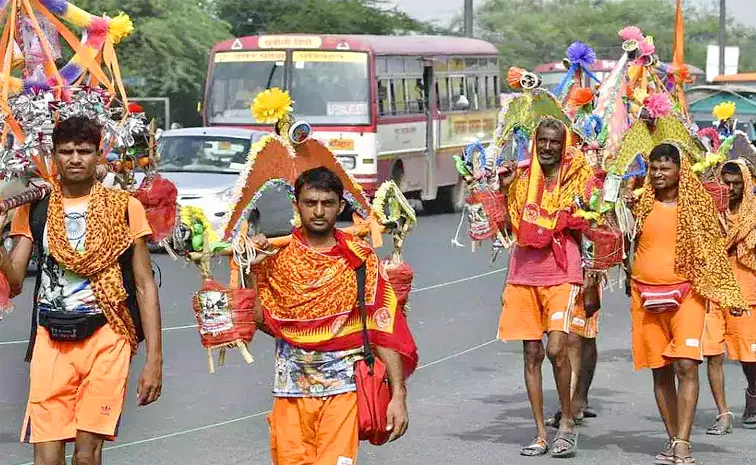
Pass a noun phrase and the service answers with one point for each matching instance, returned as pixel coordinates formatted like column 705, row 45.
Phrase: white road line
column 414, row 291
column 259, row 414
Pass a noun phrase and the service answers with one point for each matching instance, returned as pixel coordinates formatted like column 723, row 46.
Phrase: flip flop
column 571, row 439
column 538, row 447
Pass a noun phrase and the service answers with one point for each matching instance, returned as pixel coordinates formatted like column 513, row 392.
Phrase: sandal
column 538, row 447
column 556, row 420
column 590, row 412
column 683, row 459
column 722, row 426
column 749, row 414
column 568, row 439
column 667, row 456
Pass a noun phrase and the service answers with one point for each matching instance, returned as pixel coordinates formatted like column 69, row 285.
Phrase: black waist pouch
column 69, row 326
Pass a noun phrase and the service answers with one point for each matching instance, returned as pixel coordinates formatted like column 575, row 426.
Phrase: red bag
column 373, row 389
column 720, row 193
column 225, row 318
column 660, row 299
column 486, row 214
column 602, row 248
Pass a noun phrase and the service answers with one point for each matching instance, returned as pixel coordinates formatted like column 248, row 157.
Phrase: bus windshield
column 331, row 87
column 237, row 78
column 328, row 87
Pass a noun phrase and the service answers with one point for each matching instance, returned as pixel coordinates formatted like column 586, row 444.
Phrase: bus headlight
column 349, row 162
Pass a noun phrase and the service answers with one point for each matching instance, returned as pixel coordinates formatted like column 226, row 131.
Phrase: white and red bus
column 389, row 107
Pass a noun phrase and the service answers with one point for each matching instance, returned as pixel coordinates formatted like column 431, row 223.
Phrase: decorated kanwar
column 343, row 348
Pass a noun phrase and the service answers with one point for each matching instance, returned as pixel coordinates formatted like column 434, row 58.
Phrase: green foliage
column 169, row 48
column 252, row 17
column 531, row 32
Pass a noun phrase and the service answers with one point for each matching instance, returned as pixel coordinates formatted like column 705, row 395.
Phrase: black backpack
column 37, row 223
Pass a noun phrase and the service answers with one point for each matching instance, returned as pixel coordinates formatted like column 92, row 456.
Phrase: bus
column 389, row 107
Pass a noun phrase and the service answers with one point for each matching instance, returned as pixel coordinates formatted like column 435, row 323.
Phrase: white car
column 205, row 163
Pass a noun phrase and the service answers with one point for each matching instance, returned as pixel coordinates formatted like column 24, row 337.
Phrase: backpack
column 37, row 223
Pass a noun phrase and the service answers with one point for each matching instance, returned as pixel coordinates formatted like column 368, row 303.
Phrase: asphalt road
column 467, row 401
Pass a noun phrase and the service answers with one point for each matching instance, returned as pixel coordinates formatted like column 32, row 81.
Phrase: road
column 467, row 401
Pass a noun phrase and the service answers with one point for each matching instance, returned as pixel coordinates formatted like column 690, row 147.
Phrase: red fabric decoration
column 400, row 277
column 158, row 196
column 224, row 315
column 602, row 248
column 487, row 214
column 135, row 108
column 720, row 193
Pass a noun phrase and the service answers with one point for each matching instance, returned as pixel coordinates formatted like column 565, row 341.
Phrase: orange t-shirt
column 138, row 223
column 746, row 278
column 654, row 261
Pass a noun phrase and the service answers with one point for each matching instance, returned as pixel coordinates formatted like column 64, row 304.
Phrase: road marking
column 414, row 291
column 259, row 414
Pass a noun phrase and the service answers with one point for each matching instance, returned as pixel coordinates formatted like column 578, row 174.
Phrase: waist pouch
column 665, row 298
column 70, row 326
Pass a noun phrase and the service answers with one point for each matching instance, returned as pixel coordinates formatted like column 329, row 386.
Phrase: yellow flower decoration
column 712, row 159
column 120, row 27
column 724, row 111
column 190, row 214
column 271, row 106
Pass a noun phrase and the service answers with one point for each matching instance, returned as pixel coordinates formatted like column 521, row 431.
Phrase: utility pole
column 469, row 18
column 722, row 25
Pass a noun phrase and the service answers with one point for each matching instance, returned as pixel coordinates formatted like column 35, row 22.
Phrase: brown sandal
column 683, row 459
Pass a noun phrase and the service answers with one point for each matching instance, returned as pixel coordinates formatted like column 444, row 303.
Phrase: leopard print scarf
column 107, row 238
column 700, row 254
column 741, row 225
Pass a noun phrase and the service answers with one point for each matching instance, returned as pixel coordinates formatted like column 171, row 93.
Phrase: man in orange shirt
column 543, row 289
column 738, row 334
column 680, row 263
column 95, row 299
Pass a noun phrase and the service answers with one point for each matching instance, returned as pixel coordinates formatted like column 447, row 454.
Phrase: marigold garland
column 271, row 106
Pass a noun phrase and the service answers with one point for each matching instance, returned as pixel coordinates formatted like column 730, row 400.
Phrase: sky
column 444, row 10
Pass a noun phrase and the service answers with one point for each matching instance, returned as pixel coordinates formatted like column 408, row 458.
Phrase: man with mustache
column 722, row 329
column 680, row 263
column 544, row 285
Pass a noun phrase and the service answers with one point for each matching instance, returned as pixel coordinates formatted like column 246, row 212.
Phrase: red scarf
column 309, row 299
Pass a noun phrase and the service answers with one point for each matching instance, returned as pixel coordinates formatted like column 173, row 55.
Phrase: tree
column 169, row 49
column 252, row 17
column 531, row 32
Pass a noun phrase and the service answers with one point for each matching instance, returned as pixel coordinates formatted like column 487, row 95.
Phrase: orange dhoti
column 530, row 311
column 658, row 338
column 314, row 431
column 737, row 334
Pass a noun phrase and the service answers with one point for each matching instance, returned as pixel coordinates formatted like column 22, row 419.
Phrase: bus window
column 398, row 97
column 415, row 96
column 491, row 94
column 331, row 87
column 472, row 93
column 460, row 101
column 442, row 94
column 384, row 102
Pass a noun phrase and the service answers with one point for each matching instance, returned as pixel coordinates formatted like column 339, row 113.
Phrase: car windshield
column 203, row 154
column 237, row 77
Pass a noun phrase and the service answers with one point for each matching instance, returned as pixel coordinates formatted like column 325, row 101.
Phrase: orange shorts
column 585, row 327
column 660, row 337
column 737, row 333
column 529, row 311
column 76, row 386
column 314, row 430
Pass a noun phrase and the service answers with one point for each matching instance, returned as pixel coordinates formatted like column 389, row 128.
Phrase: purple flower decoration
column 35, row 87
column 581, row 54
column 58, row 7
